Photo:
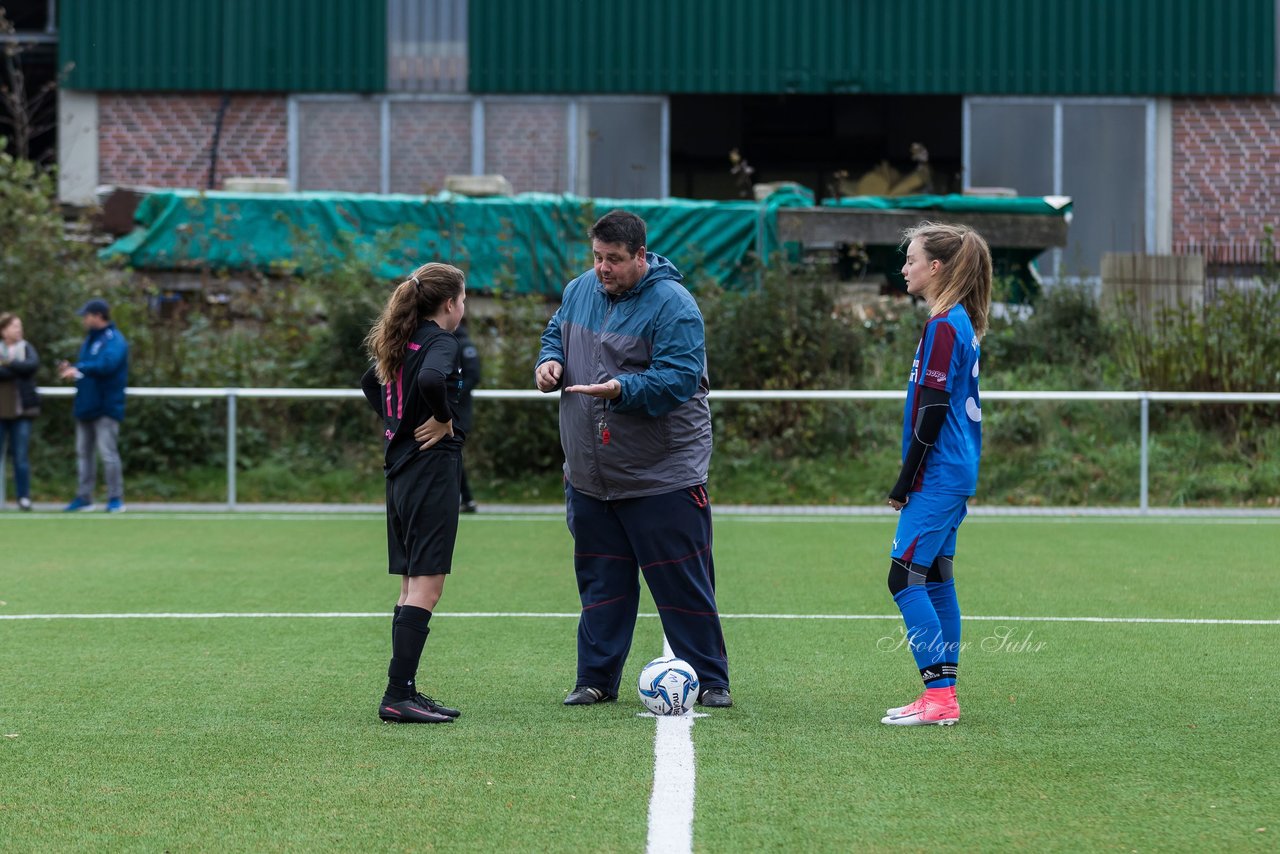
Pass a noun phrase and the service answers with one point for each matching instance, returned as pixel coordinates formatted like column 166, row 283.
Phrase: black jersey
column 425, row 386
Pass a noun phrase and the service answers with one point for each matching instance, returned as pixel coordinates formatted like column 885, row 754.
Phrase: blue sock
column 943, row 596
column 924, row 634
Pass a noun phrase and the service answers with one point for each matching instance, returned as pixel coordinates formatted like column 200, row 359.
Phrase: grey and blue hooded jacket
column 656, row 436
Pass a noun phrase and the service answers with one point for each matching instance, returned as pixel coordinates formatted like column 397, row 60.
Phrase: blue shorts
column 927, row 526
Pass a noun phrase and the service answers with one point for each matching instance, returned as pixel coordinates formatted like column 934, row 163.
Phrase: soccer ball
column 668, row 686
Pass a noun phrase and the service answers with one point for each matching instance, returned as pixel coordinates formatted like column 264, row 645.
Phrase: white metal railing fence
column 1143, row 398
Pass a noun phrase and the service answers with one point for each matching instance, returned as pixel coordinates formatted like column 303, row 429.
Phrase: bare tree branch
column 27, row 116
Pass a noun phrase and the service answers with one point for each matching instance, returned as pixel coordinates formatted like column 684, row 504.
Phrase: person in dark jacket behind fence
column 628, row 348
column 470, row 357
column 19, row 402
column 101, row 373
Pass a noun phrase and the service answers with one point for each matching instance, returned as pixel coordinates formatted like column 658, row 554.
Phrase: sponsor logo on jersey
column 935, row 375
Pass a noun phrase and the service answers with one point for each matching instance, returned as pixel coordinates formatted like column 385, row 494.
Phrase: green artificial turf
column 259, row 733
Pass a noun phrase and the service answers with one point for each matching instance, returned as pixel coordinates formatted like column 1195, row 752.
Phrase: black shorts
column 422, row 514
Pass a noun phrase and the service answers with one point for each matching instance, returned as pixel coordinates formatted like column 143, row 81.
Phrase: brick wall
column 1226, row 168
column 165, row 140
column 339, row 145
column 429, row 140
column 526, row 143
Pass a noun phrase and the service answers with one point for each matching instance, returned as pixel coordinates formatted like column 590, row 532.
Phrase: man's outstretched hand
column 606, row 391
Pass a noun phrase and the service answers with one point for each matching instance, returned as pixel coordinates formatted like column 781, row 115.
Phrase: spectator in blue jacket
column 100, row 373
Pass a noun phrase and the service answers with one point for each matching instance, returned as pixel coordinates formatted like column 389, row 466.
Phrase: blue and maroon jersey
column 947, row 360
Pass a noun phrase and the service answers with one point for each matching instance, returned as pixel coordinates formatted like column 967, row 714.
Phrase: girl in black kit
column 413, row 385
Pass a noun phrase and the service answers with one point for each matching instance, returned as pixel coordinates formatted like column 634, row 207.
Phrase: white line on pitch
column 749, row 516
column 1209, row 621
column 115, row 519
column 1001, row 519
column 217, row 615
column 671, row 805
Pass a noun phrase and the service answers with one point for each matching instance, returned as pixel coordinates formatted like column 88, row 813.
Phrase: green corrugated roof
column 224, row 45
column 1004, row 47
column 1030, row 47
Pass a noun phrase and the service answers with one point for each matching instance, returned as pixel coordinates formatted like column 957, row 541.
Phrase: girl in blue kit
column 949, row 267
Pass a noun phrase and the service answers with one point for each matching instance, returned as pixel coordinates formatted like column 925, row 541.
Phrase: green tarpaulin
column 1014, row 266
column 1036, row 205
column 530, row 243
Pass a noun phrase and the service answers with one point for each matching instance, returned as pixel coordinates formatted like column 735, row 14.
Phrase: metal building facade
column 981, row 47
column 224, row 45
column 978, row 47
column 427, row 45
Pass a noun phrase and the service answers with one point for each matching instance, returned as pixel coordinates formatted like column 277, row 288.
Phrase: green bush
column 1066, row 329
column 1229, row 343
column 286, row 331
column 44, row 277
column 513, row 439
column 785, row 334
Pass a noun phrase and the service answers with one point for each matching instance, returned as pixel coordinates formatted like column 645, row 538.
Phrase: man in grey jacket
column 628, row 349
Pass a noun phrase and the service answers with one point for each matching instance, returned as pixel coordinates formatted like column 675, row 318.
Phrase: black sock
column 406, row 649
column 395, row 615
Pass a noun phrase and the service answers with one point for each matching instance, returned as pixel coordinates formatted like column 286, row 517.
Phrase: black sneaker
column 586, row 695
column 716, row 698
column 432, row 706
column 468, row 507
column 409, row 711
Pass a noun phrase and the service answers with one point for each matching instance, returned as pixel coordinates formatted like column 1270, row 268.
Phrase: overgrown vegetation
column 515, row 446
column 41, row 272
column 790, row 331
column 782, row 336
column 1227, row 342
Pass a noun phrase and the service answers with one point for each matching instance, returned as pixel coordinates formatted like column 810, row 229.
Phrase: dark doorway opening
column 809, row 139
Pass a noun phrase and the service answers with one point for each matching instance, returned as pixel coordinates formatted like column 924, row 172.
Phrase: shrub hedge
column 790, row 331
